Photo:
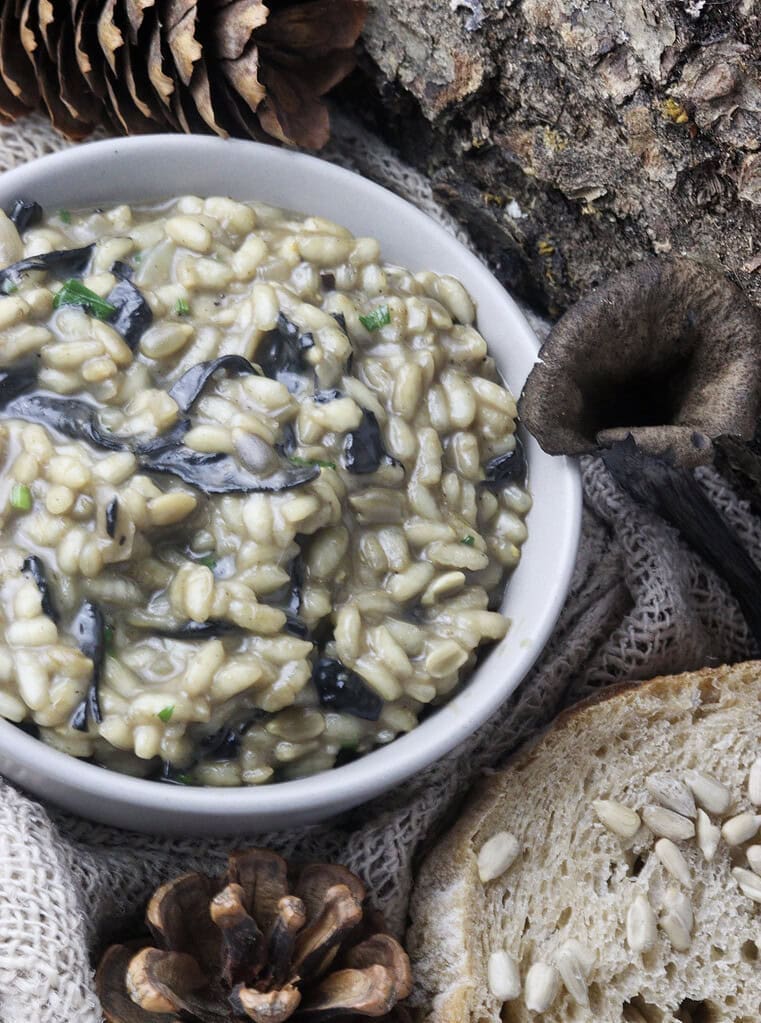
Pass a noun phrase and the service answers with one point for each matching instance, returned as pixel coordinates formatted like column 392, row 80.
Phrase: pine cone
column 265, row 943
column 233, row 67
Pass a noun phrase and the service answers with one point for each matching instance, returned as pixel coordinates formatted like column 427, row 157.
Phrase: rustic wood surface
column 576, row 136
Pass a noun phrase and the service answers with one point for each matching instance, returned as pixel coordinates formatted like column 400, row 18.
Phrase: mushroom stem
column 676, row 496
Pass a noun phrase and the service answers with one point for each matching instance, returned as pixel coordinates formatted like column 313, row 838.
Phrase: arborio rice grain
column 248, row 572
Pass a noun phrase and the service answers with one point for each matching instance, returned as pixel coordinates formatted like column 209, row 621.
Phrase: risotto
column 259, row 490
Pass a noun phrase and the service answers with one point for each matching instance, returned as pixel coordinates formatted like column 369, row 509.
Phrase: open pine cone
column 234, row 67
column 264, row 942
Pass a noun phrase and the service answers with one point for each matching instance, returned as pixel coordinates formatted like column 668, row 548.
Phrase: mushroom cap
column 667, row 351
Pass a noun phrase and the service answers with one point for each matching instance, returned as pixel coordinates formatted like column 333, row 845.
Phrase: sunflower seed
column 542, row 985
column 708, row 792
column 741, row 828
column 617, row 818
column 673, row 861
column 676, row 919
column 504, row 979
column 754, row 783
column 640, row 925
column 753, row 854
column 668, row 824
column 671, row 793
column 573, row 964
column 497, row 855
column 750, row 883
column 708, row 836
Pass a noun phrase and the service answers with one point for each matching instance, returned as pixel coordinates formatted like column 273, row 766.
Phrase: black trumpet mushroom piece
column 35, row 567
column 69, row 416
column 24, row 215
column 89, row 631
column 189, row 387
column 673, row 493
column 340, row 688
column 132, row 315
column 507, row 468
column 363, row 447
column 280, row 354
column 61, row 263
column 15, row 380
column 218, row 473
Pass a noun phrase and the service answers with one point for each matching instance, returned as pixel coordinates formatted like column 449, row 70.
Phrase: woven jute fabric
column 640, row 604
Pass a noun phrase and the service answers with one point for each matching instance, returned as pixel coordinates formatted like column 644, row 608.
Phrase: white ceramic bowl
column 153, row 167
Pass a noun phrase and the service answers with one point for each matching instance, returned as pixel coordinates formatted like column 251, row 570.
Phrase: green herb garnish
column 208, row 562
column 376, row 319
column 468, row 540
column 137, row 257
column 166, row 713
column 74, row 292
column 181, row 307
column 21, row 497
column 312, row 461
column 9, row 288
column 182, row 779
column 65, row 216
column 108, row 637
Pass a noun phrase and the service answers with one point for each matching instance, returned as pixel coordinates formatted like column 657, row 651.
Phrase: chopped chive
column 312, row 461
column 9, row 288
column 181, row 307
column 65, row 216
column 208, row 562
column 21, row 497
column 166, row 713
column 468, row 540
column 137, row 256
column 379, row 317
column 74, row 292
column 108, row 637
column 182, row 779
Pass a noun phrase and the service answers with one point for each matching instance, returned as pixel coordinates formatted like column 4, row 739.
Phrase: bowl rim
column 385, row 766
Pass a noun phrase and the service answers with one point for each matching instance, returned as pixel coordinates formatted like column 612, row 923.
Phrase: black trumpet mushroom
column 132, row 315
column 89, row 631
column 24, row 215
column 668, row 352
column 60, row 263
column 35, row 567
column 340, row 688
column 190, row 385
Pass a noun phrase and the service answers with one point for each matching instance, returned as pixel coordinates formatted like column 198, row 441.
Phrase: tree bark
column 574, row 137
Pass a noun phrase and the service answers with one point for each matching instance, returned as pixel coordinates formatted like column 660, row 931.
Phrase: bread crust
column 455, row 919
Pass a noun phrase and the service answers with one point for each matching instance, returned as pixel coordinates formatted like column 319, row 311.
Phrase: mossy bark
column 574, row 137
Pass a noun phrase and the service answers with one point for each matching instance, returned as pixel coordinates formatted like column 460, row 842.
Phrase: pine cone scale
column 244, row 946
column 269, row 1007
column 180, row 918
column 242, row 67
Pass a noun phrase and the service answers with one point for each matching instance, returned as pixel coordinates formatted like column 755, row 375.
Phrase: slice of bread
column 574, row 879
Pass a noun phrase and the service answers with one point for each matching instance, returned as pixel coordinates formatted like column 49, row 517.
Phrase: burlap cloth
column 640, row 604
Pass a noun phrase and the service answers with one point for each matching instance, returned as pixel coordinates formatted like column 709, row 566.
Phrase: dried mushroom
column 265, row 942
column 238, row 67
column 668, row 352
